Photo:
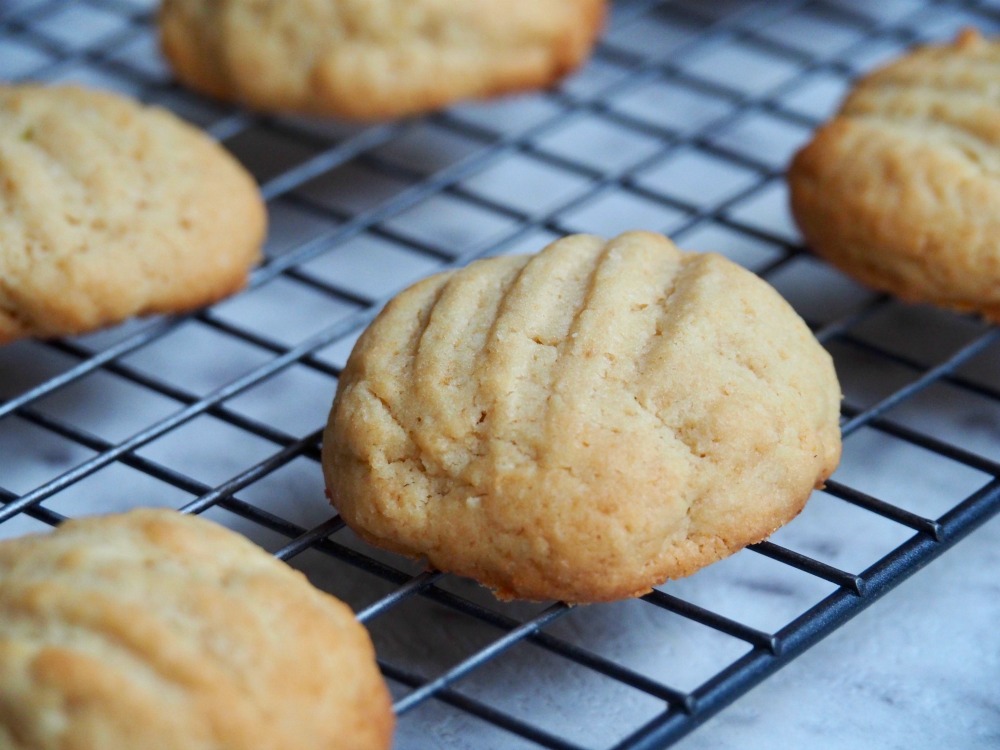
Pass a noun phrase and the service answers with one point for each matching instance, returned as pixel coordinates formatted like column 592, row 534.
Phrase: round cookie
column 369, row 59
column 109, row 209
column 151, row 629
column 902, row 188
column 584, row 423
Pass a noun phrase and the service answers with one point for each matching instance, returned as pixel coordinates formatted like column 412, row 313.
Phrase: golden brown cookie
column 371, row 59
column 902, row 188
column 584, row 423
column 151, row 629
column 109, row 209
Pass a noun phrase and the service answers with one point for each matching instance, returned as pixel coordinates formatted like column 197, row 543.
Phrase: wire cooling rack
column 683, row 122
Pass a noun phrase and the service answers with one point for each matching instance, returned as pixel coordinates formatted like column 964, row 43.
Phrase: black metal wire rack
column 683, row 122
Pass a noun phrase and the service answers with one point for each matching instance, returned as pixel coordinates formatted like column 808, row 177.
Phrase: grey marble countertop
column 918, row 669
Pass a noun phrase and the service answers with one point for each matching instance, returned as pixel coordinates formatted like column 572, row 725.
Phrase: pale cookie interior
column 584, row 423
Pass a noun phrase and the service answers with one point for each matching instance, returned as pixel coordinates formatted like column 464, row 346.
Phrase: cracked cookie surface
column 371, row 59
column 151, row 629
column 902, row 188
column 584, row 423
column 110, row 209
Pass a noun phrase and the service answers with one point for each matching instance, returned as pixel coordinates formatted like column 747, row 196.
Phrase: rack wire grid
column 682, row 122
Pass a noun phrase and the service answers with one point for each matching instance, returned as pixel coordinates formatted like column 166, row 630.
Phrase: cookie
column 152, row 629
column 371, row 59
column 902, row 188
column 109, row 209
column 584, row 423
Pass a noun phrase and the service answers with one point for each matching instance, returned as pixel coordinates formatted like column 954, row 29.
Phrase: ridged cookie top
column 156, row 630
column 948, row 95
column 373, row 58
column 110, row 209
column 902, row 187
column 583, row 423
